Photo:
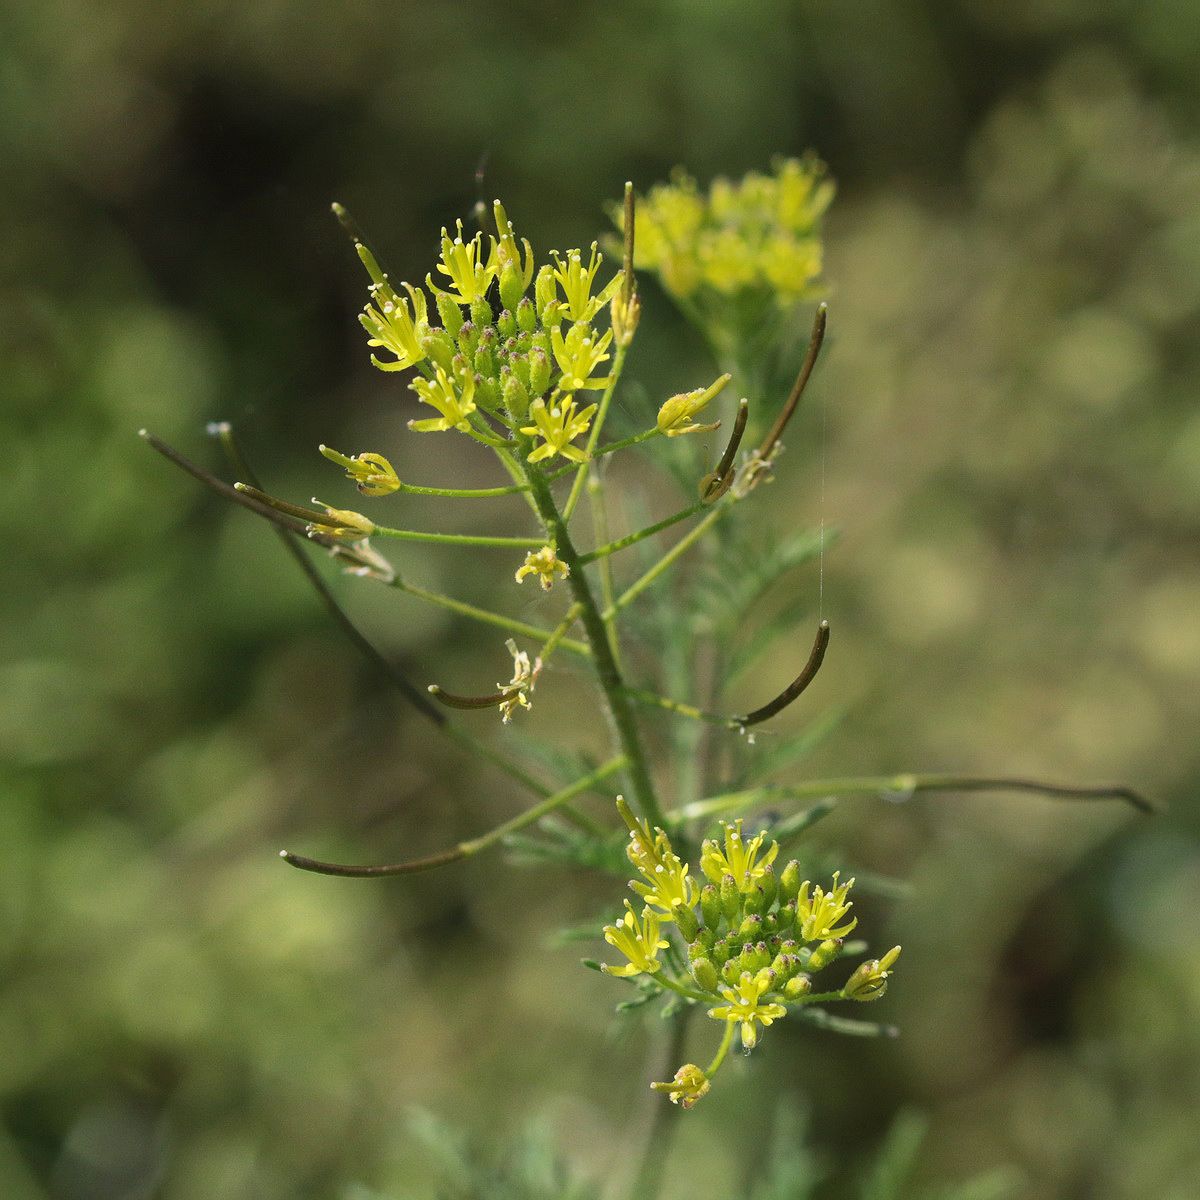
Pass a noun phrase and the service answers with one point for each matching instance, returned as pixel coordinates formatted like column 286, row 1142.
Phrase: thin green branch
column 487, row 617
column 463, row 849
column 631, row 539
column 606, row 396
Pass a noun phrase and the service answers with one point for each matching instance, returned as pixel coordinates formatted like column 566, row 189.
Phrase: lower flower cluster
column 748, row 941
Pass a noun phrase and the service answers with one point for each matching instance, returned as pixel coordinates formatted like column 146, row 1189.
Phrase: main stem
column 617, row 703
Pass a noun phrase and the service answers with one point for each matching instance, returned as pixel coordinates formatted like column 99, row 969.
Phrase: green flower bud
column 516, row 397
column 722, row 949
column 526, row 316
column 468, row 337
column 770, row 923
column 544, row 291
column 451, row 314
column 512, row 287
column 769, row 886
column 481, row 312
column 685, row 918
column 869, row 981
column 539, row 372
column 440, row 348
column 487, row 393
column 797, row 986
column 824, row 954
column 789, row 882
column 702, row 945
column 705, row 974
column 731, row 972
column 506, row 323
column 731, row 900
column 755, row 901
column 751, row 928
column 485, row 357
column 710, row 905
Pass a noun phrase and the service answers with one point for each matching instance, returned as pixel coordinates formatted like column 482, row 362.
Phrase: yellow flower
column 689, row 1086
column 454, row 399
column 392, row 325
column 576, row 282
column 744, row 1006
column 516, row 690
column 558, row 426
column 739, row 857
column 818, row 915
column 463, row 263
column 543, row 563
column 370, row 472
column 675, row 416
column 869, row 982
column 342, row 522
column 637, row 940
column 578, row 355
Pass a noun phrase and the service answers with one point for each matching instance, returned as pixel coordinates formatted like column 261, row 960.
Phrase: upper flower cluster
column 498, row 350
column 760, row 234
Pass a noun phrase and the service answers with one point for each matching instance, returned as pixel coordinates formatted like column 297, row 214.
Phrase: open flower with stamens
column 738, row 858
column 516, row 690
column 675, row 416
column 396, row 324
column 578, row 355
column 744, row 1006
column 370, row 472
column 579, row 305
column 453, row 398
column 638, row 940
column 558, row 425
column 668, row 886
column 817, row 916
column 462, row 262
column 543, row 563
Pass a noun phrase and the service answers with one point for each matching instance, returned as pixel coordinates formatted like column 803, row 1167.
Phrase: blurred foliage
column 1005, row 431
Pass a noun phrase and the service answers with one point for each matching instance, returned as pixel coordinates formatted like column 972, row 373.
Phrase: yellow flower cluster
column 761, row 233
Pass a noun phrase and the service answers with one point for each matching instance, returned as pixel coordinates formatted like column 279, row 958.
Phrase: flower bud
column 625, row 317
column 722, row 949
column 789, row 882
column 539, row 371
column 516, row 398
column 468, row 337
column 702, row 945
column 797, row 986
column 754, row 901
column 685, row 918
column 487, row 393
column 731, row 900
column 705, row 974
column 710, row 906
column 526, row 316
column 824, row 954
column 481, row 312
column 731, row 972
column 440, row 348
column 544, row 291
column 751, row 928
column 512, row 286
column 451, row 314
column 769, row 886
column 506, row 323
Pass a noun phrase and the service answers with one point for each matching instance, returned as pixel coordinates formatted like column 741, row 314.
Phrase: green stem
column 634, row 439
column 631, row 539
column 487, row 617
column 600, row 531
column 463, row 849
column 664, row 1118
column 457, row 539
column 618, row 706
column 676, row 706
column 726, row 1041
column 413, row 489
column 594, row 433
column 678, row 988
column 689, row 539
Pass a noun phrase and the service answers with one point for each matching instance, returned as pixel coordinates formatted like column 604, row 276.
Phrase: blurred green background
column 1012, row 454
